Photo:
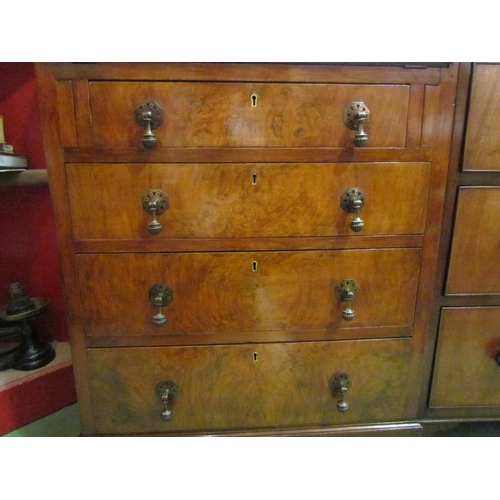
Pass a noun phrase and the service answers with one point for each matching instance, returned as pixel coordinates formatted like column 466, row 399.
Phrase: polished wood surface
column 466, row 295
column 412, row 137
column 441, row 115
column 242, row 244
column 223, row 387
column 246, row 200
column 474, row 266
column 219, row 293
column 253, row 72
column 67, row 121
column 48, row 98
column 223, row 115
column 245, row 155
column 466, row 372
column 481, row 150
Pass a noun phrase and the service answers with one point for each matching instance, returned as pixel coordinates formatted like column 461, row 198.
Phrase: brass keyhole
column 255, row 356
column 254, row 266
column 253, row 98
column 254, row 179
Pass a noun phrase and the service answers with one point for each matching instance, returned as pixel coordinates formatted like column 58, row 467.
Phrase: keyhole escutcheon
column 254, row 266
column 254, row 179
column 253, row 99
column 255, row 356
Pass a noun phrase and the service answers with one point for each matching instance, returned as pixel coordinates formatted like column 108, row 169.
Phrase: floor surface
column 66, row 423
column 62, row 423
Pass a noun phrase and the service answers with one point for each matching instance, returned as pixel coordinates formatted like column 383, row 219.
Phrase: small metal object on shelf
column 12, row 162
column 31, row 353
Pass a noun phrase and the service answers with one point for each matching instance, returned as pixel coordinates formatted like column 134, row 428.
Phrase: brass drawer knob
column 351, row 202
column 149, row 116
column 356, row 116
column 345, row 292
column 339, row 384
column 160, row 295
column 155, row 202
column 166, row 391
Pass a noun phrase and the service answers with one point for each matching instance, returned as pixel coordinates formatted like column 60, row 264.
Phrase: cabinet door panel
column 246, row 200
column 483, row 125
column 245, row 291
column 474, row 266
column 466, row 372
column 227, row 387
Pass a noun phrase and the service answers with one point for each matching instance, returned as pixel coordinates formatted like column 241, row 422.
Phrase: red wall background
column 28, row 251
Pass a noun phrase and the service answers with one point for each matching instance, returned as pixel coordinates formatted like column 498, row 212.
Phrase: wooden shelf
column 26, row 396
column 36, row 177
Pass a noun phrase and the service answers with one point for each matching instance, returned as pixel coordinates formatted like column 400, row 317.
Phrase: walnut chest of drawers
column 247, row 248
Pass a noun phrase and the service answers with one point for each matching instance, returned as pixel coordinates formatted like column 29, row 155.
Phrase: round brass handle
column 155, row 202
column 345, row 292
column 149, row 116
column 351, row 202
column 160, row 295
column 339, row 384
column 356, row 116
column 166, row 391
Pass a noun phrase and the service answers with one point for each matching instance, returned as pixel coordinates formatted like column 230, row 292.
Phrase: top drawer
column 208, row 114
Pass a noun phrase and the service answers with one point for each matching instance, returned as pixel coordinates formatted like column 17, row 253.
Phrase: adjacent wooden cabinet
column 466, row 373
column 249, row 248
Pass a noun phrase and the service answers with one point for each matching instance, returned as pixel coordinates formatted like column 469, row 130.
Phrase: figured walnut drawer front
column 474, row 266
column 247, row 386
column 246, row 291
column 246, row 115
column 466, row 370
column 246, row 200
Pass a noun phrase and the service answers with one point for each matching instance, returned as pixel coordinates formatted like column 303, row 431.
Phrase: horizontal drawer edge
column 344, row 334
column 389, row 429
column 249, row 155
column 252, row 72
column 242, row 244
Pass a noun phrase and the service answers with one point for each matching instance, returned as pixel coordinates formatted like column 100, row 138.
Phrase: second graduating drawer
column 170, row 201
column 229, row 295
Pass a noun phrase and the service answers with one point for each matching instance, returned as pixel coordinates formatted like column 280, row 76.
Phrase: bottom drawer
column 466, row 372
column 248, row 386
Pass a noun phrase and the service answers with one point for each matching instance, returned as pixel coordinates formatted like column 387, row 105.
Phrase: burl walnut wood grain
column 223, row 387
column 220, row 292
column 474, row 266
column 246, row 200
column 222, row 114
column 412, row 111
column 481, row 150
column 466, row 372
